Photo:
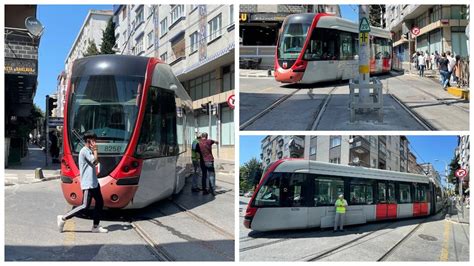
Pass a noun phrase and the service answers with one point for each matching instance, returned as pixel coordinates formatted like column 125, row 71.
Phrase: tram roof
column 126, row 65
column 334, row 22
column 330, row 169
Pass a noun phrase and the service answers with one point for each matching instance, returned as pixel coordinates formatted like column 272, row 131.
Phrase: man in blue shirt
column 88, row 160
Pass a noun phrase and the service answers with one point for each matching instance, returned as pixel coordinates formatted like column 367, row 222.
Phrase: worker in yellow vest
column 341, row 205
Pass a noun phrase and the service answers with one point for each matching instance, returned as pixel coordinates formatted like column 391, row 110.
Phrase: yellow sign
column 364, row 37
column 364, row 69
column 243, row 17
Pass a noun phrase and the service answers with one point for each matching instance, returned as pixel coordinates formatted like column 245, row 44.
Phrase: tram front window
column 269, row 193
column 292, row 40
column 107, row 106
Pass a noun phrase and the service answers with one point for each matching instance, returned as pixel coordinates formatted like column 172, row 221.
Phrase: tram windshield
column 292, row 39
column 106, row 105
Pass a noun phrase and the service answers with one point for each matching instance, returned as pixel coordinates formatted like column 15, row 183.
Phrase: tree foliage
column 375, row 13
column 91, row 49
column 108, row 38
column 249, row 174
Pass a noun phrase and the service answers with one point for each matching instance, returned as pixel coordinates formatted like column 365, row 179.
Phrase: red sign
column 231, row 101
column 415, row 31
column 460, row 173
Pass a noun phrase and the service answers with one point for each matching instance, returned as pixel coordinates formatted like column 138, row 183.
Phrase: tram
column 296, row 194
column 143, row 120
column 320, row 47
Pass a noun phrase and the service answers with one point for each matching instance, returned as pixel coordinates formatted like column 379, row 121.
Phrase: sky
column 61, row 26
column 350, row 12
column 425, row 148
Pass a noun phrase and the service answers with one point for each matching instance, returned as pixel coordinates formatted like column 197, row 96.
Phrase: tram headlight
column 114, row 197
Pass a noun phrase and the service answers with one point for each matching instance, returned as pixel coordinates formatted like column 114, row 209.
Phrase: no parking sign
column 460, row 173
column 231, row 101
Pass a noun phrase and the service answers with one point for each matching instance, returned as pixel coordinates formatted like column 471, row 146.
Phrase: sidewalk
column 434, row 75
column 254, row 73
column 25, row 172
column 460, row 215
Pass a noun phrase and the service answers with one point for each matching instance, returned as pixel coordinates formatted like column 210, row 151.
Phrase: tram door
column 420, row 206
column 386, row 207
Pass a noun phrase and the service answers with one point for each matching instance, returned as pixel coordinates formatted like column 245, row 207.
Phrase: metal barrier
column 257, row 57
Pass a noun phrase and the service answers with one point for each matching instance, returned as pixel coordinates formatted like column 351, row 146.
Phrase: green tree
column 91, row 49
column 375, row 13
column 453, row 166
column 108, row 38
column 249, row 174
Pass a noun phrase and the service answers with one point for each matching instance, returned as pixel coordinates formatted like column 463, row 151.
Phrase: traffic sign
column 364, row 25
column 231, row 101
column 415, row 31
column 460, row 173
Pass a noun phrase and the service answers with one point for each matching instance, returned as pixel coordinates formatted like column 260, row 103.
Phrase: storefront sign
column 243, row 17
column 268, row 17
column 20, row 66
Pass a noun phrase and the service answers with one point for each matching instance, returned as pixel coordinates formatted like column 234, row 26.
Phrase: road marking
column 69, row 233
column 445, row 250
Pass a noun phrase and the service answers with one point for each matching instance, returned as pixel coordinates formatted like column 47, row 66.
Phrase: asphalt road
column 437, row 238
column 188, row 227
column 268, row 105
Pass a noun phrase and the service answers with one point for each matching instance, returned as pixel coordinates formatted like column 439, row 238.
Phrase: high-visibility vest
column 340, row 207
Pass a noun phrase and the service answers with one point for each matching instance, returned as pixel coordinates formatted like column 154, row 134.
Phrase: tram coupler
column 374, row 102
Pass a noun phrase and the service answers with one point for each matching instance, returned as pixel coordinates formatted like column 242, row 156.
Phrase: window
column 312, row 150
column 292, row 190
column 228, row 78
column 139, row 17
column 228, row 130
column 163, row 26
column 323, row 45
column 458, row 12
column 361, row 192
column 194, row 42
column 327, row 190
column 269, row 193
column 405, row 193
column 214, row 27
column 335, row 141
column 138, row 49
column 348, row 45
column 231, row 14
column 421, row 193
column 164, row 56
column 149, row 39
column 203, row 86
column 124, row 12
column 386, row 193
column 158, row 136
column 335, row 160
column 292, row 39
column 177, row 12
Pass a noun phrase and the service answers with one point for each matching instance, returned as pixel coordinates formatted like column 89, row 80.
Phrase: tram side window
column 347, row 46
column 361, row 193
column 158, row 136
column 269, row 193
column 405, row 193
column 421, row 193
column 327, row 190
column 292, row 190
column 323, row 45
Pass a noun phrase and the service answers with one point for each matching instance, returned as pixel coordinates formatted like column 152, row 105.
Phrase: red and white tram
column 143, row 119
column 320, row 47
column 295, row 194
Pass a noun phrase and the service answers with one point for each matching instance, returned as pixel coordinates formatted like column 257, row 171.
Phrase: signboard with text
column 20, row 66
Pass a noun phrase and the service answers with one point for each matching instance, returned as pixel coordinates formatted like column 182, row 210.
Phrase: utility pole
column 364, row 53
column 46, row 137
column 210, row 118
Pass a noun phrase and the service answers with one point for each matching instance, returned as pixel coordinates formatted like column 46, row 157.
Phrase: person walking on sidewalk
column 205, row 146
column 341, row 205
column 88, row 160
column 427, row 60
column 421, row 64
column 443, row 70
column 196, row 158
column 451, row 64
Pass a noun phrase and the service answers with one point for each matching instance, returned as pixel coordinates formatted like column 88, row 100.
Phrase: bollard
column 269, row 72
column 39, row 173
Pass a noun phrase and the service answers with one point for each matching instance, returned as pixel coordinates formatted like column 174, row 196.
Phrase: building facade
column 441, row 28
column 260, row 24
column 281, row 147
column 462, row 153
column 197, row 41
column 21, row 72
column 91, row 31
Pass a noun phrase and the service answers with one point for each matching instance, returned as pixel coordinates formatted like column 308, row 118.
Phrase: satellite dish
column 355, row 160
column 34, row 26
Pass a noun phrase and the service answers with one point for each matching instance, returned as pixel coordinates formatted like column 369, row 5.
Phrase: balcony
column 360, row 145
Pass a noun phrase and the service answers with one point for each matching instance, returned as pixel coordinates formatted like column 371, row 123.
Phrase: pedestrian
column 341, row 205
column 432, row 63
column 205, row 146
column 88, row 160
column 443, row 70
column 452, row 63
column 421, row 64
column 427, row 60
column 196, row 159
column 457, row 70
